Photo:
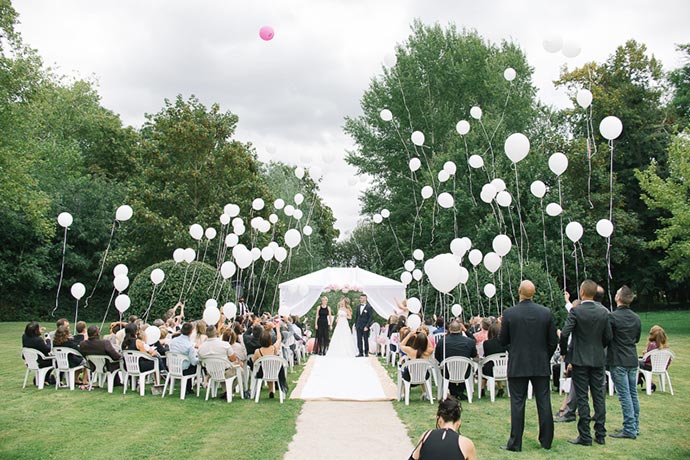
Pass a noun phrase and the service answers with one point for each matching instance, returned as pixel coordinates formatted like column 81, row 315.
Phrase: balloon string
column 584, row 261
column 263, row 292
column 560, row 201
column 184, row 280
column 608, row 239
column 491, row 149
column 191, row 281
column 608, row 264
column 100, row 273
column 275, row 291
column 469, row 175
column 546, row 256
column 397, row 242
column 577, row 271
column 62, row 271
column 76, row 312
column 523, row 230
column 376, row 247
column 146, row 313
column 203, row 259
column 479, row 296
column 108, row 308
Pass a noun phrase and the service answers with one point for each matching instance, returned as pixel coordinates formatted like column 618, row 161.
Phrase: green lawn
column 62, row 424
column 664, row 419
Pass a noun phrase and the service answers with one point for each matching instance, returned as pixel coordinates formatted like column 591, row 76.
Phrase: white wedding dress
column 342, row 345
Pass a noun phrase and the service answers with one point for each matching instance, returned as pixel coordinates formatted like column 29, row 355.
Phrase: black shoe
column 653, row 388
column 579, row 442
column 223, row 395
column 600, row 441
column 621, row 435
column 271, row 395
column 564, row 419
column 500, row 393
column 359, row 356
column 510, row 449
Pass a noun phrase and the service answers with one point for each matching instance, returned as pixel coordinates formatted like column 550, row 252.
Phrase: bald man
column 529, row 330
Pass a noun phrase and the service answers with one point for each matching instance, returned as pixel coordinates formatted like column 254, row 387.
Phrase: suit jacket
column 529, row 331
column 455, row 345
column 589, row 325
column 364, row 319
column 101, row 347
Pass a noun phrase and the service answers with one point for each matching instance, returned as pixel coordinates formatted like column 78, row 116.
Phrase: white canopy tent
column 299, row 295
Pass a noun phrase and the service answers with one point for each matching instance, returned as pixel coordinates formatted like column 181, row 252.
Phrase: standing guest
column 80, row 336
column 32, row 339
column 591, row 330
column 568, row 411
column 445, row 443
column 95, row 346
column 528, row 328
column 242, row 308
column 456, row 344
column 182, row 344
column 364, row 317
column 323, row 324
column 622, row 360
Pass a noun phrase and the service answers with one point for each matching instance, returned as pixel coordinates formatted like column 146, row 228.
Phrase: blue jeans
column 625, row 380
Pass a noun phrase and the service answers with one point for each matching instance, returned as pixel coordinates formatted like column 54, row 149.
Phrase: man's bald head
column 526, row 290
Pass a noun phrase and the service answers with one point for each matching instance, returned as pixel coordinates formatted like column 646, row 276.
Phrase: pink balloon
column 266, row 33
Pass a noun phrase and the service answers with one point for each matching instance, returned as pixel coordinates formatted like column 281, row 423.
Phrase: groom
column 363, row 318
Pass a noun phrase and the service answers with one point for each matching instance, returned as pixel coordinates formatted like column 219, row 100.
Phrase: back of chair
column 175, row 361
column 438, row 337
column 62, row 356
column 660, row 359
column 131, row 360
column 418, row 369
column 31, row 357
column 215, row 367
column 456, row 368
column 99, row 362
column 500, row 361
column 271, row 367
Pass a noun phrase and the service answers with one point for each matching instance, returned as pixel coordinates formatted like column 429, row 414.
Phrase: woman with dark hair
column 32, row 339
column 62, row 339
column 491, row 347
column 268, row 348
column 416, row 345
column 133, row 343
column 445, row 442
column 323, row 323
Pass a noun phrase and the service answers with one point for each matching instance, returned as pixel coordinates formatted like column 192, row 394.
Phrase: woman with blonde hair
column 656, row 341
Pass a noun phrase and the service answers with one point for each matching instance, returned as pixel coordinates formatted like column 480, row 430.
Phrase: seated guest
column 134, row 343
column 32, row 339
column 402, row 309
column 416, row 345
column 444, row 442
column 268, row 348
column 214, row 347
column 62, row 339
column 183, row 345
column 656, row 341
column 491, row 347
column 456, row 344
column 58, row 323
column 95, row 346
column 251, row 339
column 483, row 334
column 80, row 336
column 200, row 336
column 440, row 325
column 429, row 323
column 240, row 351
column 239, row 330
column 112, row 336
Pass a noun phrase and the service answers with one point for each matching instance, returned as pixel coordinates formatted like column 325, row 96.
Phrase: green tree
column 680, row 79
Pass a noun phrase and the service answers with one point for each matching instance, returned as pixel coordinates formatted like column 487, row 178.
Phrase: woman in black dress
column 445, row 442
column 323, row 325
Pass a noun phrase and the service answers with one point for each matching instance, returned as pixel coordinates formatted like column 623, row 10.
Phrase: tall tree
column 680, row 79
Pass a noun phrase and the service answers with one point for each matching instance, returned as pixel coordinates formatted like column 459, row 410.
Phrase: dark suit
column 363, row 320
column 591, row 330
column 100, row 347
column 455, row 345
column 529, row 331
column 37, row 343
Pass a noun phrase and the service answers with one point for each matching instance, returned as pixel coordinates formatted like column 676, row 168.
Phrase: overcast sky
column 292, row 93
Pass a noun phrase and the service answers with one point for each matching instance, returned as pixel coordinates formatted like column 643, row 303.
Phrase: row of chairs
column 131, row 373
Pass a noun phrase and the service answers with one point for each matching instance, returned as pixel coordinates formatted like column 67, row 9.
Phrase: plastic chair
column 31, row 357
column 610, row 380
column 131, row 369
column 215, row 368
column 287, row 352
column 438, row 336
column 62, row 365
column 271, row 366
column 374, row 332
column 660, row 360
column 420, row 371
column 101, row 372
column 175, row 361
column 390, row 354
column 500, row 370
column 456, row 369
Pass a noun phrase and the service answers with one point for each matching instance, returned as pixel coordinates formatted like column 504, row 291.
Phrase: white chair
column 270, row 366
column 659, row 360
column 610, row 380
column 563, row 386
column 215, row 368
column 420, row 371
column 31, row 359
column 500, row 371
column 374, row 332
column 456, row 368
column 175, row 362
column 438, row 336
column 131, row 369
column 101, row 374
column 393, row 354
column 287, row 352
column 480, row 350
column 62, row 365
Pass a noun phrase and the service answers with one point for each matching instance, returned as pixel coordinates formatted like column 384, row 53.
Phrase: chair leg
column 280, row 391
column 492, row 388
column 41, row 379
column 228, row 389
column 183, row 388
column 428, row 390
column 71, row 378
column 257, row 389
column 407, row 393
column 26, row 377
column 469, row 388
column 142, row 385
column 165, row 386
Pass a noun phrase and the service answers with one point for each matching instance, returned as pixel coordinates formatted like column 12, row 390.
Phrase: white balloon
column 492, row 262
column 280, row 254
column 178, row 255
column 120, row 269
column 450, row 167
column 570, row 49
column 553, row 43
column 611, row 127
column 443, row 175
column 122, row 303
column 385, row 213
column 255, row 253
column 231, row 240
column 378, row 218
column 211, row 315
column 476, row 162
column 271, row 149
column 463, row 127
column 307, row 230
column 242, row 256
column 468, row 242
column 258, row 204
column 457, row 310
column 227, row 269
column 558, row 163
column 475, row 257
column 316, row 172
column 292, row 238
column 390, row 60
column 584, row 98
column 232, row 210
column 604, row 228
column 123, row 213
column 501, row 245
column 409, row 265
column 289, row 210
column 464, row 275
column 64, row 219
column 517, row 147
column 211, row 303
column 239, row 230
column 279, row 203
column 266, row 254
column 237, row 222
column 363, row 179
column 489, row 290
column 504, row 199
column 414, row 304
column 458, row 248
column 196, row 231
column 476, row 112
column 210, row 233
column 273, row 245
column 574, row 231
column 417, row 274
column 445, row 200
column 352, row 181
column 418, row 254
column 509, row 74
column 413, row 322
column 299, row 172
column 553, row 209
column 153, row 335
column 443, row 272
column 265, row 226
column 224, row 219
column 299, row 199
column 406, row 278
column 498, row 184
column 417, row 138
column 157, row 276
column 230, row 310
column 273, row 218
column 298, row 214
column 427, row 191
column 538, row 189
column 386, row 115
column 488, row 193
column 121, row 282
column 415, row 164
column 78, row 290
column 189, row 255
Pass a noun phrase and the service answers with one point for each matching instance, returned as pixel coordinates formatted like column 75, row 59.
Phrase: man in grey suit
column 528, row 328
column 591, row 330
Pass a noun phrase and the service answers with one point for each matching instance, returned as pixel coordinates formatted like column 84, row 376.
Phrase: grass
column 664, row 419
column 60, row 424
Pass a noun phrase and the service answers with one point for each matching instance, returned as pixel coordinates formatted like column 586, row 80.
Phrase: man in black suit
column 364, row 316
column 529, row 330
column 591, row 331
column 456, row 344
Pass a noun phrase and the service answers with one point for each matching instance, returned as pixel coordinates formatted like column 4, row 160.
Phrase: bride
column 342, row 345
